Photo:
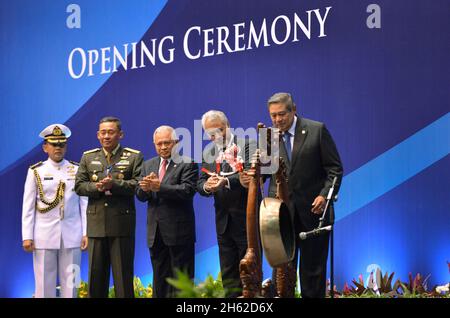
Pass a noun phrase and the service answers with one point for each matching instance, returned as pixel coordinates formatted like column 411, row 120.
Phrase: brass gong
column 277, row 231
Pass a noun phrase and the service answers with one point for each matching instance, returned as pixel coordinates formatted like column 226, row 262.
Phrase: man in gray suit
column 109, row 176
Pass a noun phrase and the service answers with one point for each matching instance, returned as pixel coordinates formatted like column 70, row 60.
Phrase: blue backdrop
column 383, row 93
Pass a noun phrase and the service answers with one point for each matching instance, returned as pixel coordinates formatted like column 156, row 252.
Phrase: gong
column 276, row 231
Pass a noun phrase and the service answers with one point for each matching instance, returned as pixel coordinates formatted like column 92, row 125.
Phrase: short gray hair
column 165, row 127
column 215, row 114
column 282, row 98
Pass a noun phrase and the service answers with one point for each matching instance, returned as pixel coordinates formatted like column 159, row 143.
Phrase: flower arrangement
column 230, row 155
column 381, row 286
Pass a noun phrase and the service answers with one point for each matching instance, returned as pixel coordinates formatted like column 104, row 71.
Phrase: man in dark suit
column 230, row 197
column 109, row 176
column 168, row 184
column 312, row 162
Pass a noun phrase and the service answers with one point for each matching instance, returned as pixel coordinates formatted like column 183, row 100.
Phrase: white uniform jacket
column 47, row 229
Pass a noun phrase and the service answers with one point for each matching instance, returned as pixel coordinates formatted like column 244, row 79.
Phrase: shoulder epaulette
column 74, row 163
column 131, row 150
column 36, row 165
column 91, row 151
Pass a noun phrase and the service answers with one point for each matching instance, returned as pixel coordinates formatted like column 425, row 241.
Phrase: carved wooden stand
column 250, row 267
column 285, row 274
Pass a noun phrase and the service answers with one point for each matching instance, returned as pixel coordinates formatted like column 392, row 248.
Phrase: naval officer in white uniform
column 54, row 217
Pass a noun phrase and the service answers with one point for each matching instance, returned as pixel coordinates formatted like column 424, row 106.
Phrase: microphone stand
column 330, row 198
column 332, row 259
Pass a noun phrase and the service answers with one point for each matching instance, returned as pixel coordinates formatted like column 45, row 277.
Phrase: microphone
column 329, row 198
column 315, row 232
column 330, row 192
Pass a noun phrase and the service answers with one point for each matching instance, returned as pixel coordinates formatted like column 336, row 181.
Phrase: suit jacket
column 115, row 214
column 314, row 163
column 171, row 208
column 230, row 204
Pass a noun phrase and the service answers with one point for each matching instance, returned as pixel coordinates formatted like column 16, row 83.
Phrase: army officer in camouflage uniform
column 109, row 176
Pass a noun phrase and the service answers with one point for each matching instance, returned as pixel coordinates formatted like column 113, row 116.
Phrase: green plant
column 380, row 287
column 209, row 288
column 415, row 287
column 82, row 290
column 140, row 291
column 112, row 292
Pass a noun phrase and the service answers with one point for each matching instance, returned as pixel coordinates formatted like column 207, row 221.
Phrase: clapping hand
column 104, row 184
column 150, row 183
column 214, row 183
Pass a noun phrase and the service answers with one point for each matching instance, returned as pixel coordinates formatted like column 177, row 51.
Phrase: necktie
column 225, row 167
column 287, row 144
column 109, row 167
column 108, row 158
column 162, row 169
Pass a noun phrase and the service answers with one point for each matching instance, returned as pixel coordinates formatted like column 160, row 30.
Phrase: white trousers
column 51, row 263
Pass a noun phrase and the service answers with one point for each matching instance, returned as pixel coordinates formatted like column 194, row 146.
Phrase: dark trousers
column 232, row 248
column 107, row 252
column 164, row 261
column 313, row 264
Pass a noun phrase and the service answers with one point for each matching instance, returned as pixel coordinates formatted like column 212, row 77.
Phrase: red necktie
column 162, row 170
